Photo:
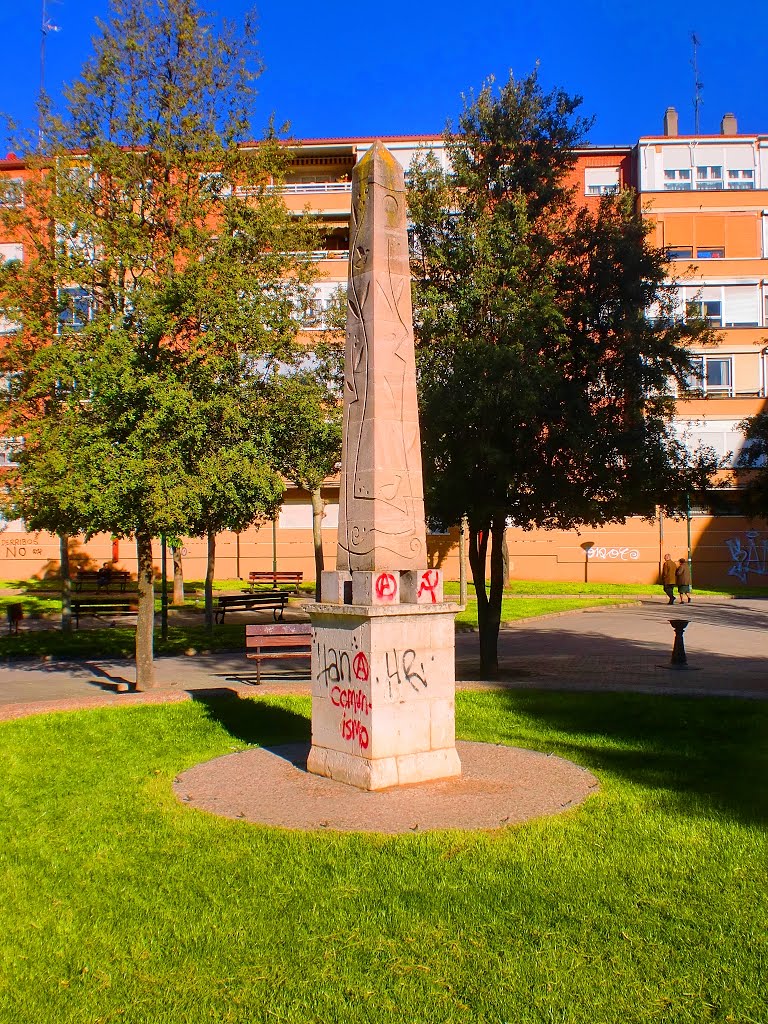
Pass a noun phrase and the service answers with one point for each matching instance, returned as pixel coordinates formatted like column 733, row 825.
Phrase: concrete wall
column 727, row 551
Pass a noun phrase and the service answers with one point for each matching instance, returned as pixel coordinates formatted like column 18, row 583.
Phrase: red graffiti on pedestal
column 350, row 700
column 360, row 667
column 354, row 730
column 385, row 586
column 430, row 580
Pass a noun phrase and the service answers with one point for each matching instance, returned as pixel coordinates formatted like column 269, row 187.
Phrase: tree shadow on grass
column 709, row 754
column 253, row 721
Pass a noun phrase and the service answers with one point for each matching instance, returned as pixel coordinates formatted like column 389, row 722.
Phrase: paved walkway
column 625, row 649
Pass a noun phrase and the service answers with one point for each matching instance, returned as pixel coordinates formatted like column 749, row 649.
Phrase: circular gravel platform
column 499, row 786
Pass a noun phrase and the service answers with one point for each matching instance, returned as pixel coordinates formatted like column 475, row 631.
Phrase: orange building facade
column 707, row 198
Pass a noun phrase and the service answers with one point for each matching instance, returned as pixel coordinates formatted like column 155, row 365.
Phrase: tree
column 306, row 425
column 546, row 388
column 169, row 263
column 754, row 457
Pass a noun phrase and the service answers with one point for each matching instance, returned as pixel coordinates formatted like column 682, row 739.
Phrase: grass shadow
column 254, row 721
column 706, row 753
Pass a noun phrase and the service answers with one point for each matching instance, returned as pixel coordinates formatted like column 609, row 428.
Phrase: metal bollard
column 679, row 659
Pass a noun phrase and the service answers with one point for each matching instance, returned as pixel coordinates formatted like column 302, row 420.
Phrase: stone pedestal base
column 383, row 689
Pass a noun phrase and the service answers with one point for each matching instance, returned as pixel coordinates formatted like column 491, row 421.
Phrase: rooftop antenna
column 46, row 26
column 697, row 84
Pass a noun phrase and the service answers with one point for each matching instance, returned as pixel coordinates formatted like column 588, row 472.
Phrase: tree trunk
column 145, row 621
column 488, row 603
column 66, row 584
column 463, row 531
column 209, row 571
column 318, row 514
column 178, row 575
column 505, row 559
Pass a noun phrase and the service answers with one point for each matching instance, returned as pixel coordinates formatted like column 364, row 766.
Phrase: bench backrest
column 278, row 630
column 269, row 575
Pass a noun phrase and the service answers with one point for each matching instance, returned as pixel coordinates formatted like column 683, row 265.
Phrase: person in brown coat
column 683, row 580
column 668, row 578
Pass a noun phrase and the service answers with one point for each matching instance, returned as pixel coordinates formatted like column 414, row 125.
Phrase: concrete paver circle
column 499, row 786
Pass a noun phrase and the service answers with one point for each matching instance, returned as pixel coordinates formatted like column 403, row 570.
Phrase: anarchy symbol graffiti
column 386, row 586
column 360, row 667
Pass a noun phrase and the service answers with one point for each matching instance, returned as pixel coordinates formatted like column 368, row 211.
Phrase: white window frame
column 7, row 199
column 678, row 179
column 741, row 178
column 601, row 181
column 709, row 177
column 76, row 324
column 10, row 251
column 698, row 381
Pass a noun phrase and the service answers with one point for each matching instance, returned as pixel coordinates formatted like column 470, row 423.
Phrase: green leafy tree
column 754, row 458
column 164, row 279
column 306, row 427
column 546, row 388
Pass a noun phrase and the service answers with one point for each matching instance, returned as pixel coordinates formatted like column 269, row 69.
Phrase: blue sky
column 374, row 69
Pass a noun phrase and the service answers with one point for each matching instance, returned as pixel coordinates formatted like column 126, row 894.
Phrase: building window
column 8, row 448
column 12, row 193
column 11, row 251
column 8, row 326
column 76, row 308
column 709, row 178
column 711, row 375
column 742, row 306
column 710, row 254
column 710, row 310
column 743, row 180
column 679, row 252
column 602, row 190
column 677, row 180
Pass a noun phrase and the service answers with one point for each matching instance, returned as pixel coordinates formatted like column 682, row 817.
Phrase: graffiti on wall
column 345, row 675
column 613, row 554
column 748, row 555
column 20, row 545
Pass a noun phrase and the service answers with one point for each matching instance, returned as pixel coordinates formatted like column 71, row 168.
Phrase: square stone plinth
column 421, row 586
column 383, row 690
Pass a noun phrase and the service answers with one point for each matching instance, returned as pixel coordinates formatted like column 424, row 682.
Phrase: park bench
column 275, row 600
column 291, row 640
column 273, row 578
column 102, row 578
column 102, row 609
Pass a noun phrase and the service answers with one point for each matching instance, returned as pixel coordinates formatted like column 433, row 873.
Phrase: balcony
column 309, row 188
column 324, row 254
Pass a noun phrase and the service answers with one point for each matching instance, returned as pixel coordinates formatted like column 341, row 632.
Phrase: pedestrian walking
column 668, row 578
column 683, row 580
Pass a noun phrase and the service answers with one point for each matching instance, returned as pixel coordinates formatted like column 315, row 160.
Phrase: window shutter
column 742, row 306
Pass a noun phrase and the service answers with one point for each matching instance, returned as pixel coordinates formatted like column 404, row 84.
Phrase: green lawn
column 119, row 641
column 647, row 904
column 535, row 587
column 514, row 608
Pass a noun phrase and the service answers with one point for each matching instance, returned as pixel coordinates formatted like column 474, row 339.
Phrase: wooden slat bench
column 274, row 578
column 291, row 640
column 102, row 578
column 102, row 609
column 275, row 600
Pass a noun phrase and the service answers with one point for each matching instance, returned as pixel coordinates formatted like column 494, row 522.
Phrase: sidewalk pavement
column 625, row 649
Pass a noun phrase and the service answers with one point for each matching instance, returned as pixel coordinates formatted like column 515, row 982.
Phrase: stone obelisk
column 383, row 664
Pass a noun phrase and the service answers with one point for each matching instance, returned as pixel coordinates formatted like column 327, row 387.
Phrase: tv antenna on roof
column 46, row 26
column 697, row 84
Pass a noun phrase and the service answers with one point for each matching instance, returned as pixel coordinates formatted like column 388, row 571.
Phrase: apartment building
column 707, row 198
